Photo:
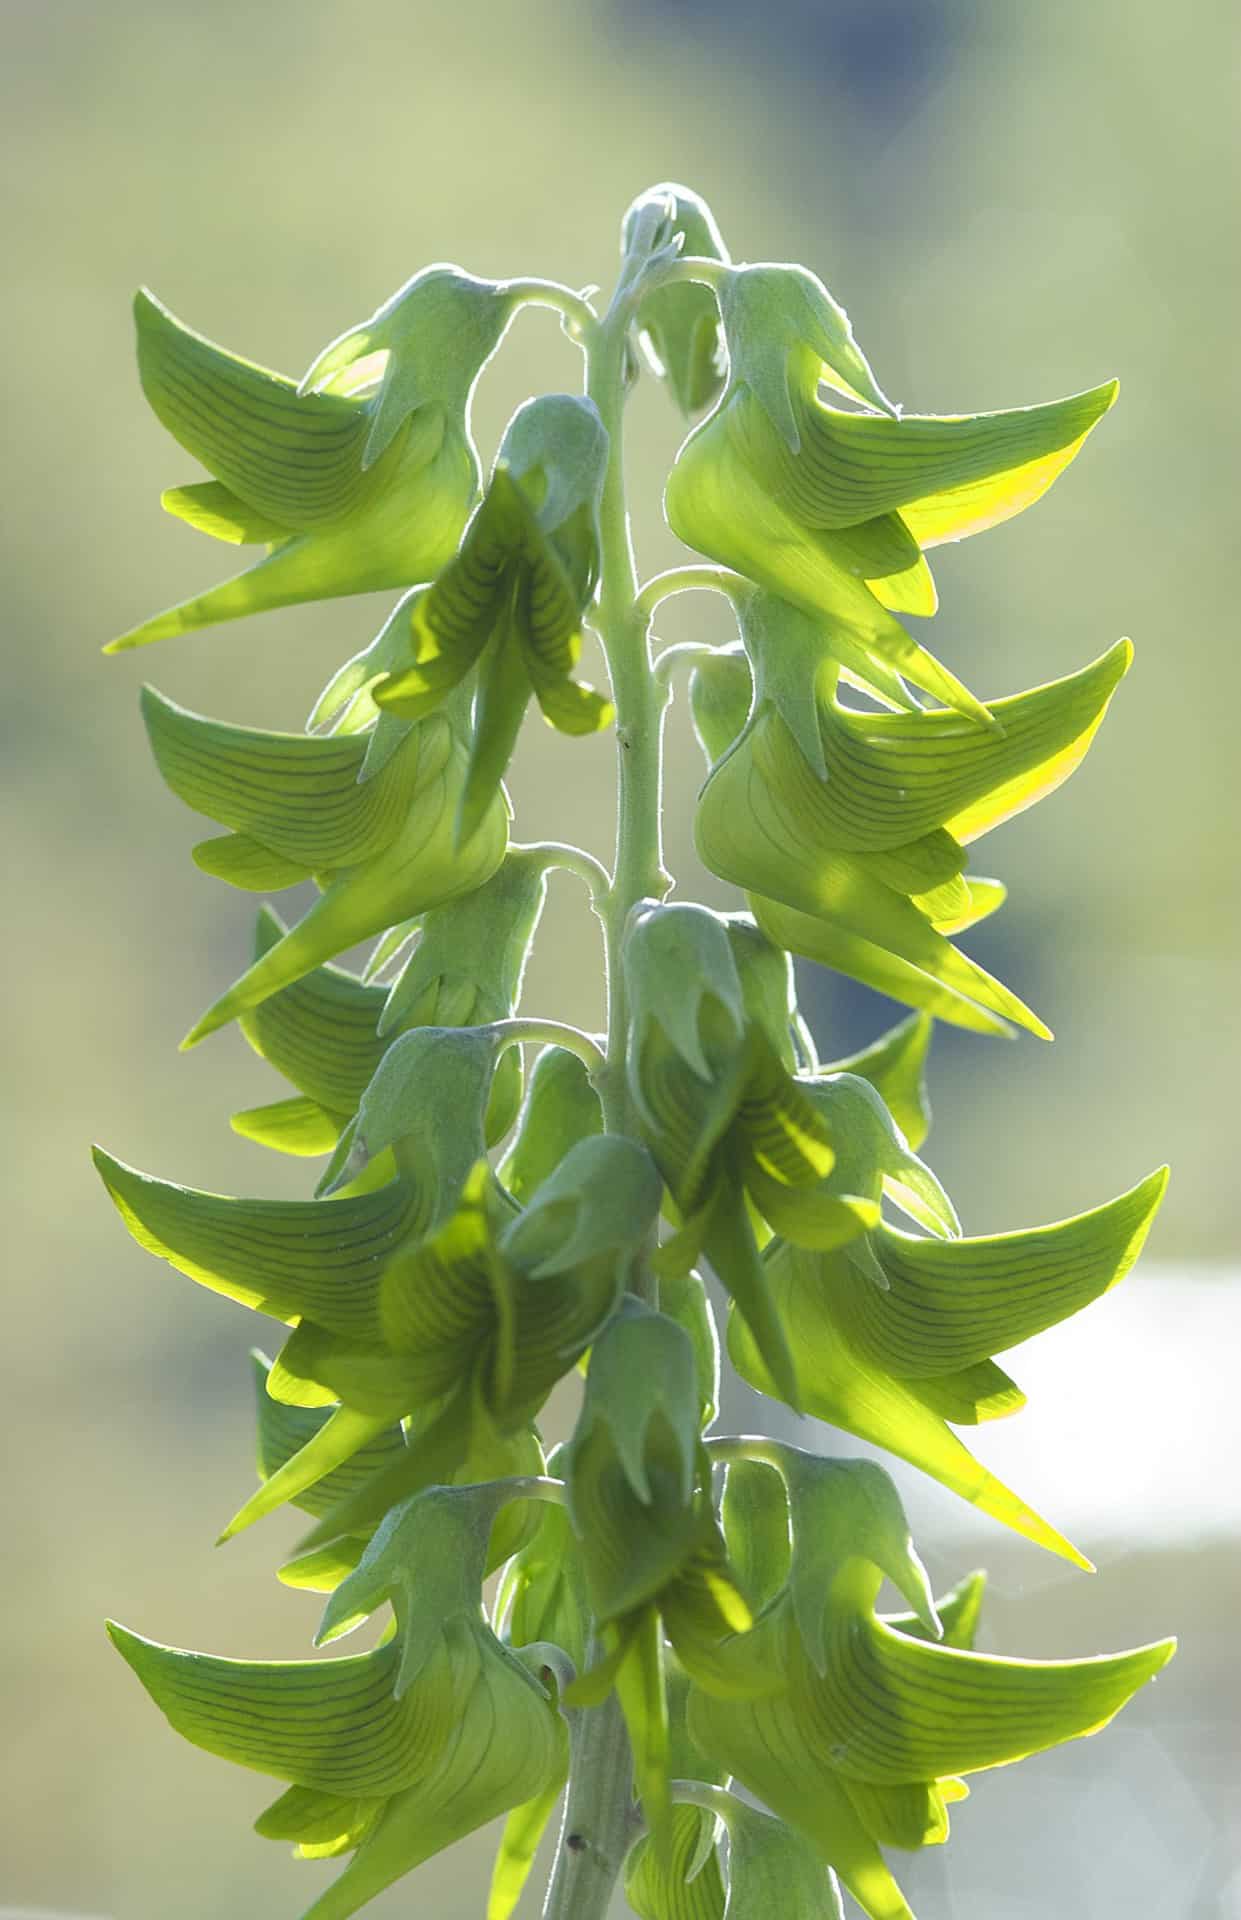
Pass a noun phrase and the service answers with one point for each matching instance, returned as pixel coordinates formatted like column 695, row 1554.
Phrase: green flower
column 393, row 1754
column 328, row 1032
column 679, row 326
column 653, row 1554
column 357, row 480
column 561, row 1109
column 284, row 1430
column 382, row 849
column 849, row 829
column 734, row 1135
column 831, row 509
column 513, row 600
column 865, row 1742
column 898, row 1361
column 690, row 1885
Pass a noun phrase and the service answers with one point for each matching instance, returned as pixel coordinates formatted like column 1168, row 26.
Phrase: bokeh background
column 1014, row 202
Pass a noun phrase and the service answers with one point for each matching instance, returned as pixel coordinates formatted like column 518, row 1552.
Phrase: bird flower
column 731, row 1130
column 833, row 509
column 328, row 1032
column 650, row 1544
column 382, row 850
column 393, row 1754
column 899, row 1348
column 865, row 1742
column 513, row 600
column 849, row 828
column 358, row 479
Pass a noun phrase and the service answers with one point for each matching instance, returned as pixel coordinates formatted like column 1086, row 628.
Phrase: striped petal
column 894, row 1366
column 948, row 475
column 294, row 793
column 288, row 1258
column 291, row 468
column 421, row 868
column 718, row 505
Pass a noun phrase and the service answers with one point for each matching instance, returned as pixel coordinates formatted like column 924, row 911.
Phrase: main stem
column 598, row 1820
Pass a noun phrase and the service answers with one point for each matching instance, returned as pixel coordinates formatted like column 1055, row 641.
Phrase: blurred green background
column 1014, row 202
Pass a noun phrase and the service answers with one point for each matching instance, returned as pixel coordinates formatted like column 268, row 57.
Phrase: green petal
column 433, row 1453
column 763, row 821
column 841, row 1387
column 436, row 334
column 422, row 868
column 483, row 939
column 323, row 1824
column 951, row 1303
column 294, row 793
column 283, row 1431
column 895, row 1065
column 777, row 315
column 298, row 461
column 642, row 1692
column 296, row 458
column 519, row 1842
column 334, row 1725
column 212, row 508
column 504, row 1748
column 891, row 779
column 284, row 1257
column 561, row 1108
column 755, row 1518
column 772, row 1870
column 958, row 1612
column 842, row 1512
column 760, row 1742
column 679, row 965
column 930, row 974
column 901, row 1710
column 242, row 862
column 543, row 1592
column 872, row 1157
column 683, row 1297
column 719, row 504
column 603, row 1197
column 729, row 1245
column 320, row 1033
column 299, row 1126
column 640, row 1392
column 337, row 1441
column 949, row 475
column 657, row 1893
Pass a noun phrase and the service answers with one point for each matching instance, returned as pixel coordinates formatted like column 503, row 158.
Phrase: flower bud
column 679, row 325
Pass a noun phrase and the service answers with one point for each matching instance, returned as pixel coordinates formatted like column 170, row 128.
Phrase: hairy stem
column 598, row 1819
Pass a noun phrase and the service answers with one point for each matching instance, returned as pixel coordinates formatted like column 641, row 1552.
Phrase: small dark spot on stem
column 576, row 1843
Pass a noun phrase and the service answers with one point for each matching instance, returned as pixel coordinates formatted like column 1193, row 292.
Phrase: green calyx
column 679, row 326
column 490, row 1253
